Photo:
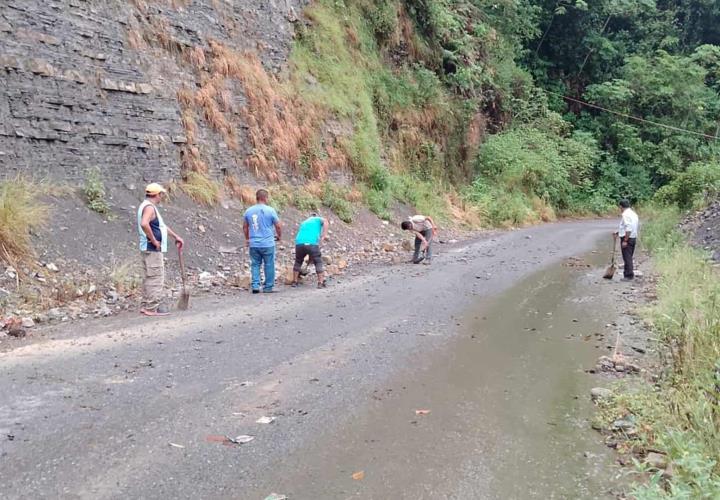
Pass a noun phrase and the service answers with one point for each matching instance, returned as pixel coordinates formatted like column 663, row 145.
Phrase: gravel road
column 138, row 408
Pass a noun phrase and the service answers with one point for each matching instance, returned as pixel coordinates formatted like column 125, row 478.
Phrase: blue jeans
column 266, row 256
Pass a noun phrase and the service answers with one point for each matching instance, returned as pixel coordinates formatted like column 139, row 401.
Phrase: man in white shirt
column 425, row 230
column 627, row 232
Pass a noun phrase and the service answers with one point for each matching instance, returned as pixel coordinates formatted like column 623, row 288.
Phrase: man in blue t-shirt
column 311, row 233
column 262, row 229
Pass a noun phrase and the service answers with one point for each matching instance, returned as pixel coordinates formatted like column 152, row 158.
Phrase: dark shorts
column 302, row 251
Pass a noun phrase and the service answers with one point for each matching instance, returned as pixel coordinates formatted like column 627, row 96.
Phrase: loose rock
column 656, row 460
column 600, row 393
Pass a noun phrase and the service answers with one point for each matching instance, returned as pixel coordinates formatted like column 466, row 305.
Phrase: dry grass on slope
column 20, row 214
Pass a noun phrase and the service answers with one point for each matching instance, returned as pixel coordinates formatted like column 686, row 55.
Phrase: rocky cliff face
column 99, row 83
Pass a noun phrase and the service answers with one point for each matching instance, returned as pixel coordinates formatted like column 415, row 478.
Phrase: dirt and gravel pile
column 703, row 228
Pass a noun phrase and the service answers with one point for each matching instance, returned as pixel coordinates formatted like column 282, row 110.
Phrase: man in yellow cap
column 153, row 244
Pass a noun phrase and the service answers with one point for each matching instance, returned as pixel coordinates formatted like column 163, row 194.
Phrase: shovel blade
column 609, row 272
column 184, row 300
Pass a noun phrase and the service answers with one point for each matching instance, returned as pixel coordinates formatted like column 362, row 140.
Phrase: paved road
column 91, row 413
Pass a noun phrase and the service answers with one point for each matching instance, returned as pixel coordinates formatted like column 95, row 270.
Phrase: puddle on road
column 509, row 409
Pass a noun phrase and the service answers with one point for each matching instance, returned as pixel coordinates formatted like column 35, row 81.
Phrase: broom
column 184, row 300
column 610, row 271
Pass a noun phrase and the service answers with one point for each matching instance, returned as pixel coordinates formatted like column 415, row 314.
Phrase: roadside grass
column 680, row 415
column 201, row 188
column 20, row 214
column 125, row 276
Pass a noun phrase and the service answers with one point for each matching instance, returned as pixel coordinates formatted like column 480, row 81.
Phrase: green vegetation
column 680, row 415
column 20, row 213
column 651, row 60
column 440, row 97
column 335, row 198
column 399, row 117
column 306, row 202
column 94, row 191
column 201, row 188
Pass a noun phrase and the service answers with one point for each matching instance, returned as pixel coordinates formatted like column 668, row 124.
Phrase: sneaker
column 322, row 284
column 269, row 290
column 627, row 279
column 418, row 260
column 427, row 262
column 294, row 284
column 255, row 291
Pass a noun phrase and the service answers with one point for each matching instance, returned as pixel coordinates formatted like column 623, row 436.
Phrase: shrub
column 94, row 191
column 378, row 202
column 201, row 188
column 305, row 201
column 428, row 197
column 383, row 19
column 526, row 174
column 692, row 188
column 334, row 198
column 20, row 214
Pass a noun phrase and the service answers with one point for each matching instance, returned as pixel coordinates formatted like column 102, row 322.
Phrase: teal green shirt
column 309, row 231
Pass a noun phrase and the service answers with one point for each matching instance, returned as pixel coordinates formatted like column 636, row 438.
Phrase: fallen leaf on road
column 275, row 496
column 359, row 475
column 265, row 420
column 422, row 412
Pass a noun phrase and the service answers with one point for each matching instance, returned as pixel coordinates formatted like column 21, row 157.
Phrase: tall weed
column 201, row 188
column 20, row 213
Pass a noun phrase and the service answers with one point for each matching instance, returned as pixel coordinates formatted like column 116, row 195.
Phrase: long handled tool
column 610, row 271
column 184, row 301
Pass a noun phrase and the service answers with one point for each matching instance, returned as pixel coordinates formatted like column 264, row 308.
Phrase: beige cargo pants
column 153, row 279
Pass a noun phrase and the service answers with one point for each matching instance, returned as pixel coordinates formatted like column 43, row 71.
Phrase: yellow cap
column 154, row 188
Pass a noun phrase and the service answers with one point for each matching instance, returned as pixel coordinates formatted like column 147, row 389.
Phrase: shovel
column 184, row 301
column 610, row 271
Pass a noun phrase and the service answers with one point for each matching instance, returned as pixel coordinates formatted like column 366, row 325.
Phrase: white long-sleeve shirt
column 628, row 222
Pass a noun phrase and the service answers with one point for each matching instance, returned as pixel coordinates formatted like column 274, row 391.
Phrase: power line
column 631, row 117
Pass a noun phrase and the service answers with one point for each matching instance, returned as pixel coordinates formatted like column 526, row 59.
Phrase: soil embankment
column 703, row 229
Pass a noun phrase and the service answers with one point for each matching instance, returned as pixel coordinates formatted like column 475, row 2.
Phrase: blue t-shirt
column 309, row 231
column 261, row 219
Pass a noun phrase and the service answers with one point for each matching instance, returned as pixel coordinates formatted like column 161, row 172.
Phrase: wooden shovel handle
column 182, row 265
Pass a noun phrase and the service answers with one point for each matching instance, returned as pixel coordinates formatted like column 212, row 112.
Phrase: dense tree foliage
column 655, row 61
column 537, row 105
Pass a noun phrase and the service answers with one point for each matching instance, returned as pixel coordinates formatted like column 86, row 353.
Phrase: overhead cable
column 631, row 117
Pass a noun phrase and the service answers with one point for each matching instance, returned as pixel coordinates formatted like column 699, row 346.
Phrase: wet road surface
column 486, row 339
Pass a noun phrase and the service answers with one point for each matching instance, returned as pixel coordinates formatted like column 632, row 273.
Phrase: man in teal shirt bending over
column 311, row 233
column 262, row 229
